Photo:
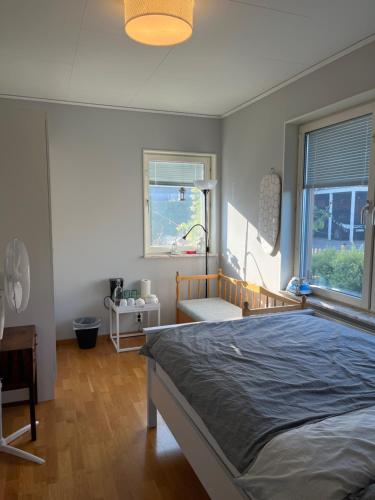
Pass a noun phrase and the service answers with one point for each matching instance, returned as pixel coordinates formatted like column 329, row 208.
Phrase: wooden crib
column 227, row 298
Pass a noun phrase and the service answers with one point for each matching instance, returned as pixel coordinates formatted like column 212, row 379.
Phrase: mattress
column 212, row 309
column 259, row 377
column 315, row 454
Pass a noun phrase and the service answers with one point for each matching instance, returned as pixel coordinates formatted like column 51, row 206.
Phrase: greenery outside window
column 172, row 205
column 336, row 199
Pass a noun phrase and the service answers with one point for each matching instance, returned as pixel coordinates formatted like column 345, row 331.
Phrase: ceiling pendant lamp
column 159, row 22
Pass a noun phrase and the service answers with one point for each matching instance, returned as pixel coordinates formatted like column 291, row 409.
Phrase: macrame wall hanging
column 269, row 211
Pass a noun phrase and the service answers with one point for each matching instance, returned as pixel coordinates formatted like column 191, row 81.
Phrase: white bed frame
column 210, row 469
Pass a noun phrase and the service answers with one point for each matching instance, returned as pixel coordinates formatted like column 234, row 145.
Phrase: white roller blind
column 339, row 155
column 175, row 173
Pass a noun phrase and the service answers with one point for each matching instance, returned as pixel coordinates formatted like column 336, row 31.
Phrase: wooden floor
column 94, row 437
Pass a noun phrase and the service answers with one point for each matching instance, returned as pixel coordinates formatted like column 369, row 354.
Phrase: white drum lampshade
column 206, row 185
column 159, row 22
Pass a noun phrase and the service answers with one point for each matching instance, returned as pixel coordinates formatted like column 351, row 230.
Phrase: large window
column 172, row 204
column 337, row 211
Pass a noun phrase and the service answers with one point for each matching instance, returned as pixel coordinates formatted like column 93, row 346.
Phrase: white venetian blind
column 339, row 155
column 175, row 173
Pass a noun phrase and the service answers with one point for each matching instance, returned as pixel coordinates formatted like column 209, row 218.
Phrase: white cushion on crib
column 212, row 309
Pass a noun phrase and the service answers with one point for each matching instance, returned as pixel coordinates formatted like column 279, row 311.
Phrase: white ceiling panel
column 105, row 17
column 41, row 29
column 76, row 50
column 202, row 93
column 109, row 68
column 315, row 9
column 45, row 79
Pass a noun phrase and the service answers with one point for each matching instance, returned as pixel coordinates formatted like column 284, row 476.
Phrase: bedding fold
column 333, row 459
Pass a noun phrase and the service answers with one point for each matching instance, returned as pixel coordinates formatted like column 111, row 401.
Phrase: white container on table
column 145, row 288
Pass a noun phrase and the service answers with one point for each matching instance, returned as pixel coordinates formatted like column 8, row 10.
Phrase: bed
column 227, row 299
column 239, row 395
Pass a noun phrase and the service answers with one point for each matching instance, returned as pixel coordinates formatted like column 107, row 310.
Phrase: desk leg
column 36, row 386
column 32, row 411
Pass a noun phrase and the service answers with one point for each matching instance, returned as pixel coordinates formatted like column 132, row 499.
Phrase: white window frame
column 363, row 302
column 209, row 161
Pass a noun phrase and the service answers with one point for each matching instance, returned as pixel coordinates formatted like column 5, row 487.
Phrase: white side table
column 114, row 313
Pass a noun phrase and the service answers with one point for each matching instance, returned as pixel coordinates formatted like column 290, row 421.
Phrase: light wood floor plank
column 94, row 437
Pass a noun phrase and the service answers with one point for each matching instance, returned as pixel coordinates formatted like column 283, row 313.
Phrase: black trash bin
column 87, row 329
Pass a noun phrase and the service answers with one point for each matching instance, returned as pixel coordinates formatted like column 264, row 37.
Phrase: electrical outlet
column 140, row 321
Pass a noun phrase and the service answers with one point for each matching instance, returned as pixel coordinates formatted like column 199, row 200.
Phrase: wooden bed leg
column 246, row 311
column 151, row 408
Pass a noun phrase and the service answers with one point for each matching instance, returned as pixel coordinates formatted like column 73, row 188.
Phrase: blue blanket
column 251, row 379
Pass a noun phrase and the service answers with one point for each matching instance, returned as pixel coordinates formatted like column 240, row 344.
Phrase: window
column 336, row 218
column 172, row 203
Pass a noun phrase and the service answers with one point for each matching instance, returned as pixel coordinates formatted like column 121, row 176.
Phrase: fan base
column 5, row 447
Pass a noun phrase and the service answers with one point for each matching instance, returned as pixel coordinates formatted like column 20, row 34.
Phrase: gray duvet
column 252, row 379
column 333, row 459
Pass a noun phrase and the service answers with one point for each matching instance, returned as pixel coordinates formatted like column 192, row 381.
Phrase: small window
column 172, row 203
column 335, row 190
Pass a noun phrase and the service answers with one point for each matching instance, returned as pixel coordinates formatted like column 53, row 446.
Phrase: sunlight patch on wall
column 242, row 246
column 236, row 240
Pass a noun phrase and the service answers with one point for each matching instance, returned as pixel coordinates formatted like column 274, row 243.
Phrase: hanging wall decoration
column 269, row 211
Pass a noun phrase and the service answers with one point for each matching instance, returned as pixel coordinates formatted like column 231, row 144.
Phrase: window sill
column 177, row 256
column 344, row 312
column 355, row 316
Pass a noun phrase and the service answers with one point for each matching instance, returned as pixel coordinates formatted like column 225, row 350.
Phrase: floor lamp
column 205, row 186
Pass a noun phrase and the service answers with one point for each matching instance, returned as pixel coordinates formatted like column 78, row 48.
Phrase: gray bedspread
column 251, row 379
column 365, row 494
column 333, row 459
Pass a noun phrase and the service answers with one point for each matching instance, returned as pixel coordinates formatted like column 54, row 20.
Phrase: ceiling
column 77, row 51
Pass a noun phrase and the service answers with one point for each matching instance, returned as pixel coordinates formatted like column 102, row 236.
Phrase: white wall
column 25, row 213
column 97, row 204
column 254, row 142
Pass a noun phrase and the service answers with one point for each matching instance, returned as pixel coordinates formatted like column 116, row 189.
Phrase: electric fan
column 17, row 292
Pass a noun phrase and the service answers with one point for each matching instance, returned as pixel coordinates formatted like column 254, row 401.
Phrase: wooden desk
column 18, row 364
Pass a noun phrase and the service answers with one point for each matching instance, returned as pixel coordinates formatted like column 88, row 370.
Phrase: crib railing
column 260, row 300
column 252, row 298
column 194, row 286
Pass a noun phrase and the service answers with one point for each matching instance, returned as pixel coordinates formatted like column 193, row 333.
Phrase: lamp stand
column 205, row 193
column 205, row 188
column 5, row 447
